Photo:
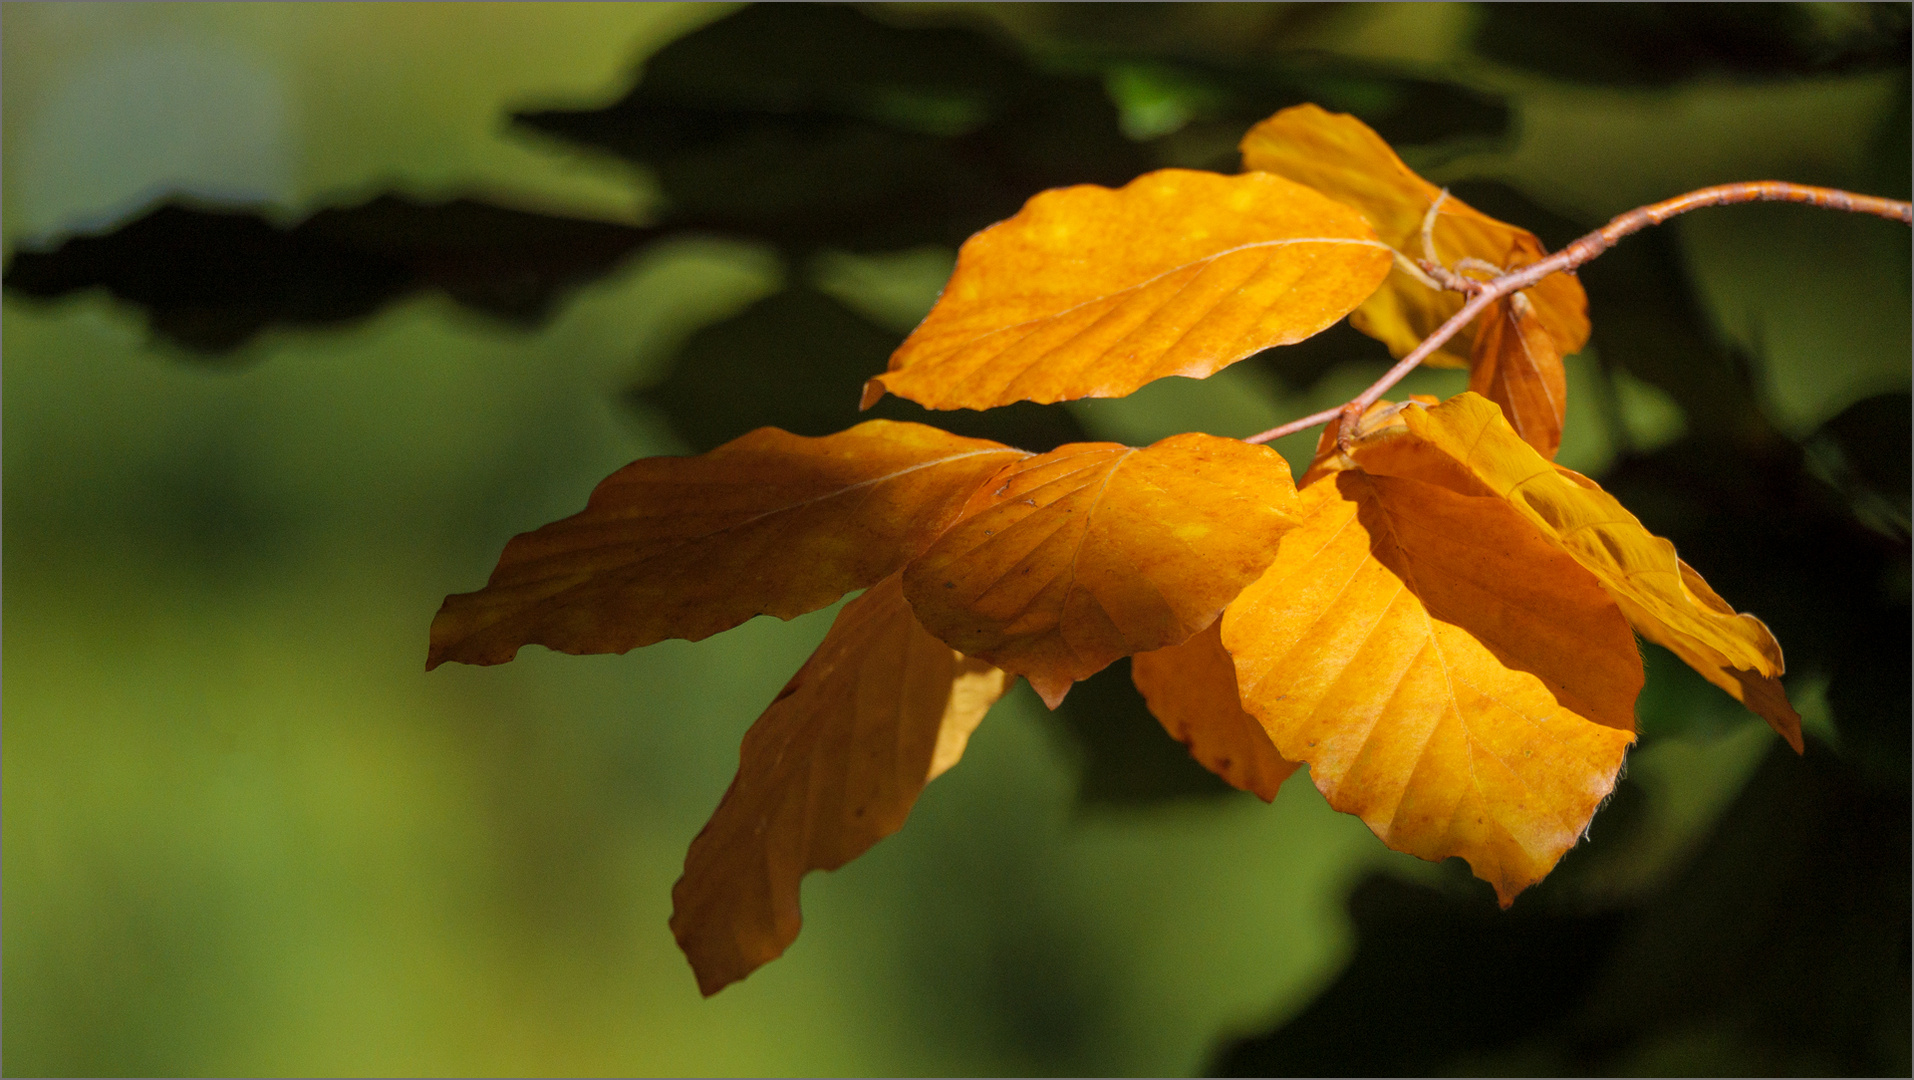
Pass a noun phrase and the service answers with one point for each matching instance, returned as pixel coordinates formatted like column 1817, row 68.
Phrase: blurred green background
column 248, row 449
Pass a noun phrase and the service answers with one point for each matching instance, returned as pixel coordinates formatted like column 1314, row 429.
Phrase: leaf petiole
column 1578, row 252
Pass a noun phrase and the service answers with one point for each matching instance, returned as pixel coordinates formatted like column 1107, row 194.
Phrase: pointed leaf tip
column 1467, row 445
column 1344, row 159
column 769, row 523
column 1451, row 679
column 1093, row 292
column 1516, row 365
column 833, row 766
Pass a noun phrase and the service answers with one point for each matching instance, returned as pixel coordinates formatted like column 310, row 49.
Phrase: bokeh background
column 309, row 308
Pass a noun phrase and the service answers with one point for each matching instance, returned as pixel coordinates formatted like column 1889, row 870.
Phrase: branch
column 1581, row 251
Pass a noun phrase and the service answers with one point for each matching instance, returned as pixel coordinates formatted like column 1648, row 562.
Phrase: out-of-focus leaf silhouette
column 805, row 125
column 796, row 360
column 1302, row 365
column 1406, row 109
column 1661, row 44
column 212, row 278
column 1124, row 760
column 1193, row 78
column 1864, row 452
column 1788, row 932
column 1435, row 974
column 810, row 124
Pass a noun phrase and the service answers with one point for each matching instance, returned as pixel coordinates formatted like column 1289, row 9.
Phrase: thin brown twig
column 1583, row 250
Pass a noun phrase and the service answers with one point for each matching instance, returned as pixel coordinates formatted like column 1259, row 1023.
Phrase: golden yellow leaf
column 833, row 766
column 1093, row 292
column 1516, row 365
column 768, row 524
column 1095, row 551
column 1341, row 157
column 1466, row 445
column 1191, row 689
column 1448, row 676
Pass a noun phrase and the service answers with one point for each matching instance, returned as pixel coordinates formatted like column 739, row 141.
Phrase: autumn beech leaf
column 833, row 766
column 1441, row 624
column 768, row 524
column 1093, row 292
column 1070, row 560
column 1191, row 689
column 1344, row 159
column 1449, row 677
column 1517, row 366
column 1466, row 445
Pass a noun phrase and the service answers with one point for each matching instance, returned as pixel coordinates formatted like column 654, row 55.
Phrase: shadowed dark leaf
column 1659, row 44
column 796, row 360
column 812, row 124
column 212, row 278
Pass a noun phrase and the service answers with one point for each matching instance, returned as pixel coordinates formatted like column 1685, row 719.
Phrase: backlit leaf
column 768, row 524
column 1095, row 551
column 1093, row 292
column 1191, row 688
column 1341, row 157
column 832, row 767
column 1517, row 366
column 1448, row 676
column 1466, row 445
column 1378, row 416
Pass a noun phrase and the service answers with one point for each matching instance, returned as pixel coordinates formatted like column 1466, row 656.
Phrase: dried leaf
column 1465, row 444
column 1341, row 157
column 1191, row 689
column 1094, row 551
column 1517, row 366
column 768, row 524
column 1447, row 675
column 1093, row 292
column 832, row 767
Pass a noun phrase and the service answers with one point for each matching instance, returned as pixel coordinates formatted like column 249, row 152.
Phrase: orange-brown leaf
column 1093, row 292
column 1095, row 551
column 1466, row 445
column 1191, row 689
column 1517, row 366
column 768, row 524
column 1329, row 458
column 1448, row 676
column 833, row 766
column 1341, row 157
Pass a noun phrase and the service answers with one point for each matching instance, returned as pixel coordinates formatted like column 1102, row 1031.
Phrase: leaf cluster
column 1441, row 623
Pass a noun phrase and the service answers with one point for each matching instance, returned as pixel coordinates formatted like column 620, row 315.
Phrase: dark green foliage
column 814, row 127
column 806, row 356
column 211, row 278
column 1781, row 950
column 1125, row 758
column 1661, row 44
column 812, row 124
